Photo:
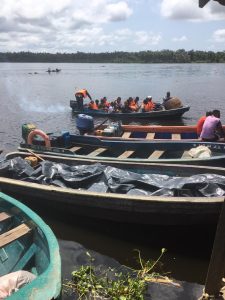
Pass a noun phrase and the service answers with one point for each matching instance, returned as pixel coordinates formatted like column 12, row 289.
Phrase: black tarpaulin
column 102, row 178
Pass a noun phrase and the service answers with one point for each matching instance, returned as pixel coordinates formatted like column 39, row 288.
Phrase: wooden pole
column 38, row 156
column 215, row 272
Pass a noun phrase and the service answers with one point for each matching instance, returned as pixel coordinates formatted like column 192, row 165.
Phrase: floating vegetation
column 87, row 283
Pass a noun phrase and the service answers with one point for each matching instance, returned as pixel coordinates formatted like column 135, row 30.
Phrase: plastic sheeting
column 102, row 178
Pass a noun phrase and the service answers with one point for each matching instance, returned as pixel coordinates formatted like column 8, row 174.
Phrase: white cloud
column 49, row 25
column 183, row 38
column 189, row 10
column 219, row 36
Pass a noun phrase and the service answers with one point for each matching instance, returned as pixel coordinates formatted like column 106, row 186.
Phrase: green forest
column 163, row 56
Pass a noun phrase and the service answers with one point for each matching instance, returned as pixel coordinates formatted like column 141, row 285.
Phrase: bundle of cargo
column 172, row 103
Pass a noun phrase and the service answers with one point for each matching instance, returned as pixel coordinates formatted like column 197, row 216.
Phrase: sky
column 68, row 26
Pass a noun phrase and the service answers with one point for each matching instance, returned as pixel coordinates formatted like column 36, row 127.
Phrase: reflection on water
column 43, row 99
column 188, row 248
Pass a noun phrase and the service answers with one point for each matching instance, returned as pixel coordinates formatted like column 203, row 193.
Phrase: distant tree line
column 163, row 56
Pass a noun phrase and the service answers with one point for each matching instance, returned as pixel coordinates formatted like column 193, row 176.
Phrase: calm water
column 43, row 99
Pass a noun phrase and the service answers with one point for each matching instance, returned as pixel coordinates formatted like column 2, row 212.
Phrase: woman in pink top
column 212, row 128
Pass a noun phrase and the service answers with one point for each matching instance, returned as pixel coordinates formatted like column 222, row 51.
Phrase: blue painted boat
column 27, row 243
column 158, row 114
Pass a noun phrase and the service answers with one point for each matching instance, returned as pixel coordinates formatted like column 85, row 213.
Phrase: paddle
column 36, row 155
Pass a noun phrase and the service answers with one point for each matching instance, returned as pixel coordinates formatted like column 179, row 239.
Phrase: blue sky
column 110, row 25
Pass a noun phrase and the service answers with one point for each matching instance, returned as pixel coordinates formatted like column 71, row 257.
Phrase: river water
column 29, row 94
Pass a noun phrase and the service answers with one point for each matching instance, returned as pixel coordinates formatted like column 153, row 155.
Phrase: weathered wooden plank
column 75, row 148
column 176, row 136
column 97, row 152
column 126, row 154
column 126, row 135
column 4, row 216
column 156, row 154
column 150, row 136
column 13, row 234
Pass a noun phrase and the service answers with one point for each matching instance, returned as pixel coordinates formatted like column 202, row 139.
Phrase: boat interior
column 22, row 245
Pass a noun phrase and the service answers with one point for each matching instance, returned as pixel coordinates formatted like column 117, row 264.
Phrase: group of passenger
column 209, row 127
column 130, row 105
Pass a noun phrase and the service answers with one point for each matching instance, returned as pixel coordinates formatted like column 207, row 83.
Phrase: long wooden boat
column 27, row 243
column 160, row 114
column 114, row 131
column 135, row 151
column 143, row 209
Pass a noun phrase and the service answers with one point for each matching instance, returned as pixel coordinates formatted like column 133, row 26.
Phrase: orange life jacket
column 83, row 92
column 151, row 105
column 93, row 106
column 133, row 105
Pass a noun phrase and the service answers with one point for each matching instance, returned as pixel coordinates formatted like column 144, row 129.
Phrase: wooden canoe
column 27, row 243
column 160, row 114
column 157, row 210
column 134, row 151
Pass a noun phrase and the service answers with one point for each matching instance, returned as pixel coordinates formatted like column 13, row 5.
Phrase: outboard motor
column 84, row 123
column 73, row 104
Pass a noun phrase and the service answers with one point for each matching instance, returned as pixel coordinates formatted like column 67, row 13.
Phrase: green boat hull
column 37, row 251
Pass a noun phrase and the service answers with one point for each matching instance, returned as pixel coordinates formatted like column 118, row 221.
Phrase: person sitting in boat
column 136, row 100
column 132, row 105
column 212, row 129
column 167, row 97
column 201, row 122
column 92, row 105
column 111, row 108
column 97, row 103
column 118, row 105
column 125, row 107
column 80, row 95
column 104, row 104
column 148, row 104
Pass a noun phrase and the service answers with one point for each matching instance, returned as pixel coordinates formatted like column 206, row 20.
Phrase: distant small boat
column 158, row 114
column 27, row 243
column 54, row 70
column 122, row 207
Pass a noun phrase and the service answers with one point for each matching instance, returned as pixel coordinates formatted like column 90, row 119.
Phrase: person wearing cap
column 80, row 95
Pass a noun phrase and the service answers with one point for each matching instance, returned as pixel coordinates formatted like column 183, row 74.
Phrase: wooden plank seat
column 14, row 234
column 126, row 154
column 156, row 154
column 176, row 136
column 150, row 136
column 97, row 152
column 4, row 216
column 126, row 135
column 75, row 148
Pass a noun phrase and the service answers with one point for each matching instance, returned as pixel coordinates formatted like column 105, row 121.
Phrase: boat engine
column 84, row 124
